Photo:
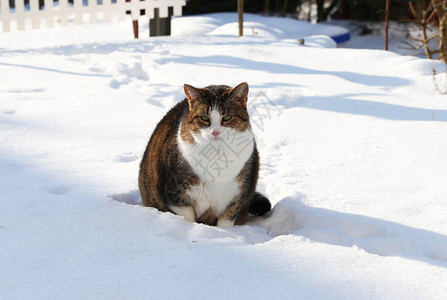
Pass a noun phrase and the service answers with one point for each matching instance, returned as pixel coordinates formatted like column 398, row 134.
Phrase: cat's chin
column 214, row 139
column 208, row 138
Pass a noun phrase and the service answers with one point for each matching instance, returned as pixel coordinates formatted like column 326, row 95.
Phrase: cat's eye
column 205, row 118
column 226, row 118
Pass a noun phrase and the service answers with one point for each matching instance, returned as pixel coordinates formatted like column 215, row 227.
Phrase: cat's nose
column 215, row 132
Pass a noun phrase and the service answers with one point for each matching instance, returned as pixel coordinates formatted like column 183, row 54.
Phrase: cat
column 201, row 161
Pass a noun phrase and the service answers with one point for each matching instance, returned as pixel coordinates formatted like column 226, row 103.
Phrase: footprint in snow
column 155, row 102
column 127, row 157
column 9, row 112
column 124, row 74
column 59, row 190
column 96, row 70
column 132, row 197
column 27, row 90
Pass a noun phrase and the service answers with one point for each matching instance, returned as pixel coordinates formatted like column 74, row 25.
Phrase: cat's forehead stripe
column 217, row 93
column 215, row 115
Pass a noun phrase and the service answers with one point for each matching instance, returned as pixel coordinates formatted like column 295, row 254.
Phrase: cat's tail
column 259, row 205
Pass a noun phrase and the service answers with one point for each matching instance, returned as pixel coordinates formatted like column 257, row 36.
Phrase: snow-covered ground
column 353, row 150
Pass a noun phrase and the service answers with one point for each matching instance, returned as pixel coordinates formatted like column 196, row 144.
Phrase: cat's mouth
column 213, row 138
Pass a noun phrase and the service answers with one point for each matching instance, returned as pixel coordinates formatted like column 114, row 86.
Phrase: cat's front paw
column 187, row 212
column 224, row 222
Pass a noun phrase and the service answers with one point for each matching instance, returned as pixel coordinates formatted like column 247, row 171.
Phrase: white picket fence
column 64, row 11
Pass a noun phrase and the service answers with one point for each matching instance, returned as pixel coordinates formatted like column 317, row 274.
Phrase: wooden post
column 320, row 11
column 344, row 9
column 160, row 26
column 154, row 23
column 240, row 12
column 135, row 28
column 387, row 17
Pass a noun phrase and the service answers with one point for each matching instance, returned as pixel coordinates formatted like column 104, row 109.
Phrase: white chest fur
column 216, row 195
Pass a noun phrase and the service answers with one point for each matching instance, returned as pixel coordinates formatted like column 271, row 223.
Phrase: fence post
column 160, row 26
column 158, row 11
column 5, row 15
column 240, row 12
column 387, row 17
column 135, row 28
column 77, row 4
column 154, row 23
column 64, row 12
column 20, row 14
column 50, row 13
column 34, row 10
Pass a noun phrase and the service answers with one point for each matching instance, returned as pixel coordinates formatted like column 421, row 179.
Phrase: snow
column 270, row 28
column 352, row 145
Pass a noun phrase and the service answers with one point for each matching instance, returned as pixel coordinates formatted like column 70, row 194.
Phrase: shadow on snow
column 373, row 235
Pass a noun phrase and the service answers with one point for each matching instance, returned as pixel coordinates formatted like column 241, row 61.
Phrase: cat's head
column 215, row 112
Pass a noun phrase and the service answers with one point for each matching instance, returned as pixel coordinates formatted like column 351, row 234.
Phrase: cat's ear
column 192, row 94
column 240, row 93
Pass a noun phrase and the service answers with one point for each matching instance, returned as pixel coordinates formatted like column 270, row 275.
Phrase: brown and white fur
column 201, row 161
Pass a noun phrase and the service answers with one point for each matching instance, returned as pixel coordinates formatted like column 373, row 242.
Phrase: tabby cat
column 201, row 161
